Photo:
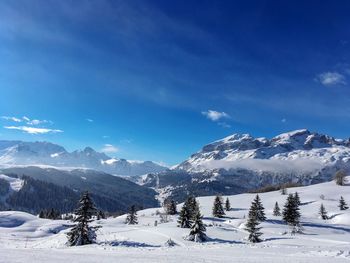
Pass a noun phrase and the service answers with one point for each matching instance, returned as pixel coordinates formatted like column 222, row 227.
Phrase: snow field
column 26, row 238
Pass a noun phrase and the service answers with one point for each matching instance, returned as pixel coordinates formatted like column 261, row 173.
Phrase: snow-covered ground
column 26, row 238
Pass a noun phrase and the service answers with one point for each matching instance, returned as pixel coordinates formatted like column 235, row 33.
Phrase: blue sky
column 157, row 80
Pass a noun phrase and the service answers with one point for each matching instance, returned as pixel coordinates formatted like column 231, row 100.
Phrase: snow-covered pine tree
column 171, row 207
column 342, row 204
column 197, row 232
column 291, row 214
column 218, row 209
column 101, row 215
column 227, row 205
column 42, row 214
column 283, row 191
column 192, row 206
column 185, row 216
column 297, row 198
column 276, row 210
column 131, row 218
column 252, row 224
column 82, row 233
column 323, row 212
column 260, row 210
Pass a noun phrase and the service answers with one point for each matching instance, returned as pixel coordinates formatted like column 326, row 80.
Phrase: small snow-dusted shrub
column 170, row 243
column 164, row 218
column 339, row 177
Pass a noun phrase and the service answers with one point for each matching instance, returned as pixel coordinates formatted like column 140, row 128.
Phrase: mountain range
column 232, row 165
column 240, row 163
column 14, row 153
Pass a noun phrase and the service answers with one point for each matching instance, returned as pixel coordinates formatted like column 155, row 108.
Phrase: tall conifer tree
column 82, row 233
column 197, row 232
column 276, row 210
column 218, row 209
column 253, row 223
column 131, row 218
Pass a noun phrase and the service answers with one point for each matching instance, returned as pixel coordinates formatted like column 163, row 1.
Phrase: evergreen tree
column 291, row 214
column 252, row 224
column 276, row 210
column 82, row 233
column 101, row 215
column 192, row 206
column 218, row 210
column 41, row 214
column 323, row 212
column 185, row 216
column 197, row 233
column 342, row 204
column 227, row 205
column 131, row 218
column 170, row 207
column 260, row 210
column 297, row 199
column 283, row 191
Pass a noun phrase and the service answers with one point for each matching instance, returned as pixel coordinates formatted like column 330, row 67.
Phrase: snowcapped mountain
column 14, row 153
column 296, row 147
column 241, row 162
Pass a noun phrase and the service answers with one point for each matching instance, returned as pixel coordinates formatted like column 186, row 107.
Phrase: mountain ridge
column 241, row 162
column 14, row 153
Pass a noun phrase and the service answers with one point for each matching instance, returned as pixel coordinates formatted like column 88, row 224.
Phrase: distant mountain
column 14, row 153
column 32, row 189
column 240, row 162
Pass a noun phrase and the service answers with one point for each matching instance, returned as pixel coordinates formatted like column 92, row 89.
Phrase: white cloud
column 301, row 165
column 215, row 115
column 37, row 122
column 11, row 118
column 109, row 148
column 284, row 120
column 26, row 119
column 32, row 130
column 331, row 79
column 90, row 120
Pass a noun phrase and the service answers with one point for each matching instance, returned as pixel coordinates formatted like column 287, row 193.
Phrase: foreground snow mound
column 24, row 236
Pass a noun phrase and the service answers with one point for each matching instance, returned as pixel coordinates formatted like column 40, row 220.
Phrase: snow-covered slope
column 240, row 162
column 25, row 238
column 14, row 153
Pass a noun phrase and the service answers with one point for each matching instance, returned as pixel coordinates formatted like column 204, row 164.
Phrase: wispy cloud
column 33, row 130
column 331, row 79
column 109, row 148
column 27, row 120
column 284, row 120
column 90, row 120
column 215, row 115
column 37, row 122
column 8, row 118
